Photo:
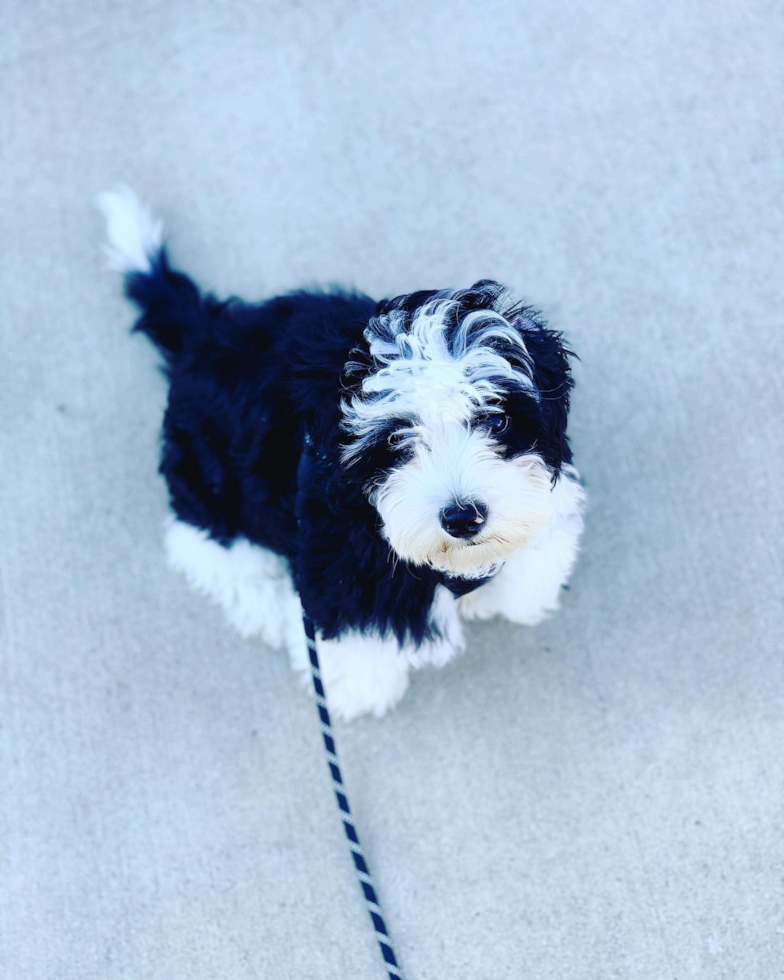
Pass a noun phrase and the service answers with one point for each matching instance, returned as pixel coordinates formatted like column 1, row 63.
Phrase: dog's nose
column 464, row 518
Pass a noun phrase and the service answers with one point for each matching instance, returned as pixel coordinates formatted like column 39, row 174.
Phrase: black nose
column 464, row 518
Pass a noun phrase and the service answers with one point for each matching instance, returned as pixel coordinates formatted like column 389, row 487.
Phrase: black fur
column 248, row 381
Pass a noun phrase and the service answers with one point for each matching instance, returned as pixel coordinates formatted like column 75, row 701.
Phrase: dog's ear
column 553, row 379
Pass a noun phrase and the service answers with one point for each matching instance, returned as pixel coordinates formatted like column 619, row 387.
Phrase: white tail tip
column 134, row 234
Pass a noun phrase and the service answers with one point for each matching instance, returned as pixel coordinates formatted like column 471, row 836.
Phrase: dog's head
column 455, row 419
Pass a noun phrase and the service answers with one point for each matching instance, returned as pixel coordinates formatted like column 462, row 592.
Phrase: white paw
column 514, row 597
column 479, row 604
column 450, row 640
column 362, row 675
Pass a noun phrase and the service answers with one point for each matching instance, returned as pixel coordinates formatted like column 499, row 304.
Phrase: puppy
column 386, row 467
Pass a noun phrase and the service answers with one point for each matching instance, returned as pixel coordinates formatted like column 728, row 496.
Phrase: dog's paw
column 479, row 604
column 505, row 600
column 362, row 675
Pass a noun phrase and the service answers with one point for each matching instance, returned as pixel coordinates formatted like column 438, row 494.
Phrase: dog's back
column 245, row 380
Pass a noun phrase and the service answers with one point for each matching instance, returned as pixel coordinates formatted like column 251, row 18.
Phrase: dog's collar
column 462, row 586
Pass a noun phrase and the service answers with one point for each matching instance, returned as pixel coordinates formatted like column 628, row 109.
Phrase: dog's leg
column 449, row 641
column 528, row 587
column 366, row 675
column 252, row 584
column 363, row 675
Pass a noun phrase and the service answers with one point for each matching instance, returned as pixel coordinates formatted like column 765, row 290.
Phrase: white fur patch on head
column 134, row 235
column 431, row 371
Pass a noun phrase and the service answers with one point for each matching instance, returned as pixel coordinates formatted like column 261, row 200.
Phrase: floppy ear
column 553, row 379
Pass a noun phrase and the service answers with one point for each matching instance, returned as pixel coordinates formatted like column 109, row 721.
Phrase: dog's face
column 457, row 423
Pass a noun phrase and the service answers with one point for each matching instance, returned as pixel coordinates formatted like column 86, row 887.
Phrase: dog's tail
column 172, row 309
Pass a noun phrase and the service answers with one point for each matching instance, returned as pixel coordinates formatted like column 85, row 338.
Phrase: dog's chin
column 466, row 559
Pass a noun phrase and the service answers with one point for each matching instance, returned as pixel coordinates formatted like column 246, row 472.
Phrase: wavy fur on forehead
column 438, row 356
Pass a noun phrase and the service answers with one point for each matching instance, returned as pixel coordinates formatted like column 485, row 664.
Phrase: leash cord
column 360, row 864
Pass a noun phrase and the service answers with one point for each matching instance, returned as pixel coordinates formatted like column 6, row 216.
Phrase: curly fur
column 408, row 402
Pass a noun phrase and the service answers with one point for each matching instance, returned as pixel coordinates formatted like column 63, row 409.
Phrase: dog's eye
column 498, row 423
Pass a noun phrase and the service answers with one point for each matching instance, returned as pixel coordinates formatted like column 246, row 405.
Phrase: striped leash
column 363, row 872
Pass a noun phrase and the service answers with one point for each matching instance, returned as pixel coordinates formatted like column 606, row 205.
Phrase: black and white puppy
column 389, row 467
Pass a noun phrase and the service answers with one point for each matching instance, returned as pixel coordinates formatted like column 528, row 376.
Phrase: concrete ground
column 600, row 797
